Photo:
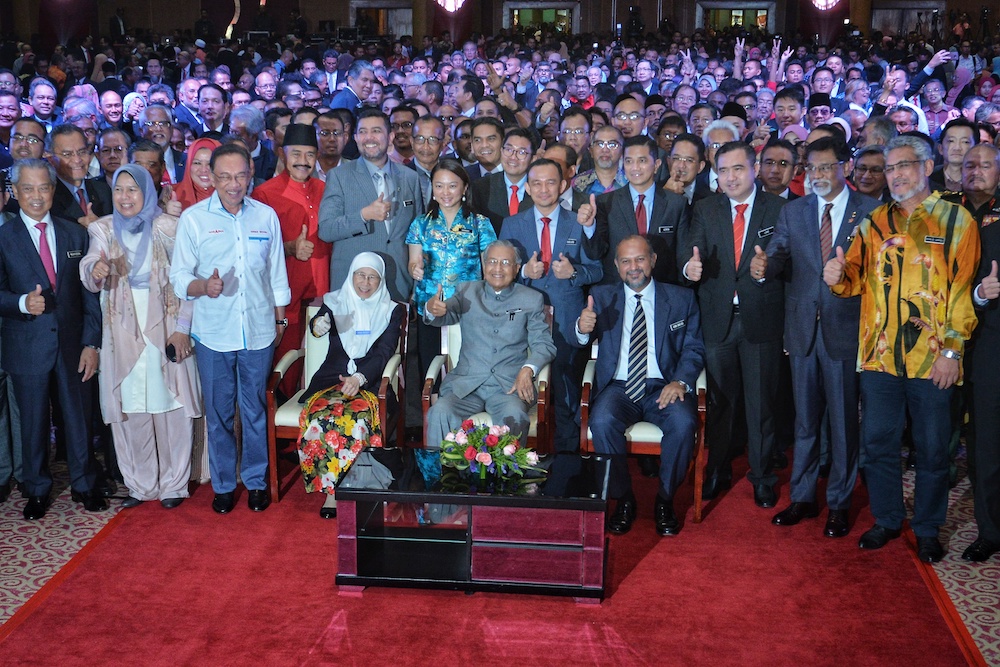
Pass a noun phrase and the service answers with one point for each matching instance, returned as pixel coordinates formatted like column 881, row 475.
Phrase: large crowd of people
column 810, row 224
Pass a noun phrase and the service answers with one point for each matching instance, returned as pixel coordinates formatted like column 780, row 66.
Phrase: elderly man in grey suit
column 368, row 205
column 505, row 343
column 820, row 332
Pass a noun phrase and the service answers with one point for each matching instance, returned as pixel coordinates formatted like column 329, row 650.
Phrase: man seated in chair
column 649, row 359
column 505, row 342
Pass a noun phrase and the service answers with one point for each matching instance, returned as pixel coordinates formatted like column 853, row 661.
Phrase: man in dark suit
column 116, row 26
column 820, row 332
column 650, row 356
column 360, row 77
column 549, row 240
column 777, row 168
column 742, row 320
column 51, row 330
column 76, row 197
column 501, row 195
column 487, row 142
column 641, row 209
column 505, row 343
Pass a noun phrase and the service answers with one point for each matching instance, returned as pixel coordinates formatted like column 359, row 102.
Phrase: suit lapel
column 812, row 230
column 365, row 182
column 725, row 215
column 661, row 314
column 66, row 202
column 847, row 224
column 562, row 232
column 624, row 203
column 659, row 212
column 754, row 225
column 617, row 332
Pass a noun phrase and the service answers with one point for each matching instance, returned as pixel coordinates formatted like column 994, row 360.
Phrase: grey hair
column 720, row 125
column 59, row 130
column 142, row 114
column 74, row 107
column 916, row 144
column 31, row 163
column 161, row 88
column 39, row 82
column 985, row 111
column 359, row 66
column 250, row 115
column 503, row 243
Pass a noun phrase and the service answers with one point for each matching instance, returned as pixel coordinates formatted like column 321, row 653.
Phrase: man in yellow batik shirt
column 913, row 262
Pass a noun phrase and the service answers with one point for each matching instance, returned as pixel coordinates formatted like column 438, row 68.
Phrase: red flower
column 492, row 440
column 359, row 405
column 467, row 425
column 338, row 410
column 470, row 453
column 375, row 441
column 320, row 403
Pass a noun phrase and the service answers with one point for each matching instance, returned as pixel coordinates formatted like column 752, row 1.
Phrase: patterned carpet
column 31, row 553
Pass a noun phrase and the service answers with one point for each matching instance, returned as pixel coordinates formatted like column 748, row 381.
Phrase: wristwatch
column 684, row 385
column 951, row 354
column 282, row 322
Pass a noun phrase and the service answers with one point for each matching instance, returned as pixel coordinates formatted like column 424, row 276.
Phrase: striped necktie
column 635, row 386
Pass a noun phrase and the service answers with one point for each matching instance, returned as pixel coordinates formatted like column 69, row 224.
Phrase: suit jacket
column 566, row 296
column 34, row 344
column 761, row 306
column 983, row 359
column 530, row 95
column 680, row 351
column 616, row 220
column 793, row 255
column 346, row 99
column 500, row 334
column 184, row 115
column 490, row 197
column 65, row 204
column 350, row 188
column 265, row 163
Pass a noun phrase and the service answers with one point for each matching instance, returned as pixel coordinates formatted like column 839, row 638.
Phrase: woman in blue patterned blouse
column 445, row 246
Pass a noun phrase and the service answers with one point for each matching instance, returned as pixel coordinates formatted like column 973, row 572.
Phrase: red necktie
column 83, row 200
column 512, row 206
column 738, row 226
column 640, row 216
column 826, row 233
column 46, row 254
column 546, row 244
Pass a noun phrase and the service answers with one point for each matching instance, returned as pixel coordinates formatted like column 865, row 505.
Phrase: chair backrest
column 317, row 348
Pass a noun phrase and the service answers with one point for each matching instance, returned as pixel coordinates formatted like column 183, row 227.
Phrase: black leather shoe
column 714, row 485
column 131, row 502
column 106, row 487
column 649, row 466
column 764, row 496
column 258, row 500
column 36, row 507
column 620, row 522
column 980, row 550
column 877, row 537
column 779, row 460
column 4, row 491
column 795, row 513
column 837, row 524
column 929, row 549
column 171, row 503
column 328, row 512
column 95, row 502
column 224, row 502
column 666, row 520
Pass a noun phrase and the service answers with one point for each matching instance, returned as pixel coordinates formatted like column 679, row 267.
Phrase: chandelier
column 825, row 4
column 451, row 6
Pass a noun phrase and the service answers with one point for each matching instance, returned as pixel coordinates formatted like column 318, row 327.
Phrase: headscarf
column 141, row 223
column 359, row 322
column 188, row 192
column 711, row 81
column 797, row 130
column 921, row 118
column 962, row 78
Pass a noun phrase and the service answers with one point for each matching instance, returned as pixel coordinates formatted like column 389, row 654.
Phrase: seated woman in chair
column 341, row 413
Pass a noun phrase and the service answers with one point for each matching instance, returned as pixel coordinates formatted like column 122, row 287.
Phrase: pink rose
column 509, row 449
column 496, row 429
column 450, row 437
column 532, row 458
column 504, row 429
column 484, row 458
column 461, row 438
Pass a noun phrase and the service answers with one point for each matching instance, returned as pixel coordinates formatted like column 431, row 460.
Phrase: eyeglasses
column 716, row 146
column 749, row 107
column 521, row 153
column 574, row 132
column 448, row 119
column 330, row 133
column 778, row 163
column 493, row 261
column 822, row 169
column 683, row 159
column 29, row 139
column 7, row 84
column 66, row 155
column 670, row 136
column 406, row 125
column 610, row 145
column 421, row 139
column 861, row 170
column 905, row 164
column 157, row 123
column 635, row 115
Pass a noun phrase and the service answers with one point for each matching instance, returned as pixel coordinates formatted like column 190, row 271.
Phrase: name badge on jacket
column 767, row 231
column 571, row 241
column 677, row 325
column 74, row 254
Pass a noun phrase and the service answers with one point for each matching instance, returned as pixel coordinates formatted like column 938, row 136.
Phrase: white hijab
column 359, row 322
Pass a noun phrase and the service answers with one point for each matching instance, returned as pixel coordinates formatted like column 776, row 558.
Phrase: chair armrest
column 286, row 361
column 542, row 382
column 701, row 388
column 588, row 384
column 392, row 367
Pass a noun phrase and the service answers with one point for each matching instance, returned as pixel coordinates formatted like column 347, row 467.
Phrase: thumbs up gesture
column 213, row 286
column 534, row 268
column 435, row 305
column 587, row 213
column 35, row 303
column 588, row 318
column 88, row 216
column 303, row 246
column 102, row 269
column 694, row 266
column 990, row 287
column 758, row 265
column 377, row 210
column 562, row 268
column 171, row 206
column 833, row 272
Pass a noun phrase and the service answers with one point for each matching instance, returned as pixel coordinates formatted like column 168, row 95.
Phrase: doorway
column 382, row 18
column 723, row 14
column 562, row 17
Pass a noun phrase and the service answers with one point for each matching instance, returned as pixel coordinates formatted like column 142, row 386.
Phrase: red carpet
column 189, row 587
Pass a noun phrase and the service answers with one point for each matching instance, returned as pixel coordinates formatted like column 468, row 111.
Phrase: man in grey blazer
column 505, row 342
column 819, row 332
column 368, row 205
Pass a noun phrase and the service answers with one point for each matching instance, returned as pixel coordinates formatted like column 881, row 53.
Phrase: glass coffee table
column 544, row 536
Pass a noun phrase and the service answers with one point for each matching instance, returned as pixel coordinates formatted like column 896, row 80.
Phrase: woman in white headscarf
column 340, row 417
column 148, row 383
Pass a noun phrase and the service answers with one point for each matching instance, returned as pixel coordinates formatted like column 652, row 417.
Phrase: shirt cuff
column 978, row 300
column 581, row 337
column 589, row 231
column 22, row 304
column 534, row 370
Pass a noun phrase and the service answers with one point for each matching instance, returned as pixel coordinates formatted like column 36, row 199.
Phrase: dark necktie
column 635, row 386
column 640, row 216
column 826, row 233
column 82, row 199
column 46, row 254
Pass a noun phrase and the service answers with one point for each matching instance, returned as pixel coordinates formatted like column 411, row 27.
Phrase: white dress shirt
column 836, row 213
column 36, row 238
column 247, row 250
column 648, row 307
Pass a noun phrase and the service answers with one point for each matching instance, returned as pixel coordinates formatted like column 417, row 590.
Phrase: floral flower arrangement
column 487, row 450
